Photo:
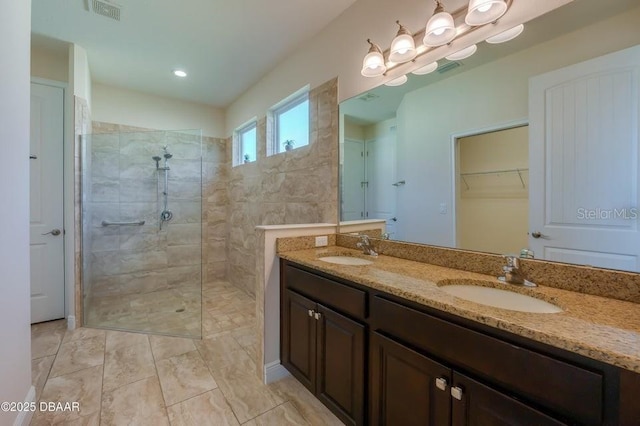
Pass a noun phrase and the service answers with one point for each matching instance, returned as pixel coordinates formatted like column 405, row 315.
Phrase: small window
column 245, row 141
column 290, row 124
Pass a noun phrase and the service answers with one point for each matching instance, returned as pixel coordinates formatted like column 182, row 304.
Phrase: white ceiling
column 225, row 45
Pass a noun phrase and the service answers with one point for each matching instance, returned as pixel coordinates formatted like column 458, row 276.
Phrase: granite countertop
column 604, row 329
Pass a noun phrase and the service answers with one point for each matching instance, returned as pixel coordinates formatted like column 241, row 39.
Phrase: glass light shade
column 397, row 81
column 179, row 73
column 505, row 36
column 463, row 54
column 429, row 68
column 440, row 30
column 373, row 64
column 482, row 12
column 403, row 49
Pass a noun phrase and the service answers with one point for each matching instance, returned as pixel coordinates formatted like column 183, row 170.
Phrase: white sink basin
column 345, row 260
column 501, row 298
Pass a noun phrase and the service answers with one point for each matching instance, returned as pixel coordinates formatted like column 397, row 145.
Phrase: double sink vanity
column 387, row 340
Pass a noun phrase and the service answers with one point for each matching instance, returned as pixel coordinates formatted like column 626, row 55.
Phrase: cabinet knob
column 456, row 392
column 317, row 315
column 311, row 312
column 441, row 383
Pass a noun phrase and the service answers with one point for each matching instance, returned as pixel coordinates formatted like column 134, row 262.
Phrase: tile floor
column 122, row 378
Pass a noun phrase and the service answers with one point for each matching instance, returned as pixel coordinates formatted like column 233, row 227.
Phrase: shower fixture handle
column 54, row 232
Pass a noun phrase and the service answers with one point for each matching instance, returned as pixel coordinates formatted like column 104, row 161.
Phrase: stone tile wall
column 298, row 186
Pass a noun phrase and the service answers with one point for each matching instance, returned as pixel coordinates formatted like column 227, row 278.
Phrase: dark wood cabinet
column 325, row 351
column 475, row 404
column 407, row 388
column 373, row 358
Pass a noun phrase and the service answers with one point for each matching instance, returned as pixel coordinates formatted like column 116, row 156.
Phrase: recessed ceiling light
column 429, row 68
column 463, row 54
column 505, row 36
column 179, row 73
column 397, row 81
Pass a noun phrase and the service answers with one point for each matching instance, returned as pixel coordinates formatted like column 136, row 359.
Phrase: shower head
column 166, row 152
column 167, row 156
column 156, row 158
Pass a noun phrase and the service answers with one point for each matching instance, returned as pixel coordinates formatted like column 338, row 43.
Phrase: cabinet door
column 474, row 404
column 406, row 388
column 299, row 338
column 341, row 365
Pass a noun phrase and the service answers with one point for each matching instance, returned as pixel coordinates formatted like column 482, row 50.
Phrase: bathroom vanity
column 382, row 344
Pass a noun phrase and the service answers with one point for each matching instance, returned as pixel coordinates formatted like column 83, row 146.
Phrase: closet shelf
column 494, row 172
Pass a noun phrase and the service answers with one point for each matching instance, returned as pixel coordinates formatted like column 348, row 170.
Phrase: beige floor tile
column 90, row 420
column 127, row 365
column 184, row 376
column 221, row 350
column 46, row 339
column 78, row 355
column 208, row 409
column 84, row 387
column 83, row 333
column 40, row 369
column 139, row 403
column 121, row 339
column 306, row 403
column 165, row 347
column 285, row 414
column 247, row 395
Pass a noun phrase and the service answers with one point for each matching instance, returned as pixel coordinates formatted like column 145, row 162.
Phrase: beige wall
column 15, row 333
column 493, row 210
column 131, row 108
column 48, row 64
column 352, row 130
column 300, row 186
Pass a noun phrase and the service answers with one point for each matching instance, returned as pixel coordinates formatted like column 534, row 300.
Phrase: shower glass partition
column 142, row 231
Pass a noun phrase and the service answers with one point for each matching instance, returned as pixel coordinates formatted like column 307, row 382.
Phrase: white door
column 381, row 175
column 353, row 180
column 47, row 234
column 584, row 132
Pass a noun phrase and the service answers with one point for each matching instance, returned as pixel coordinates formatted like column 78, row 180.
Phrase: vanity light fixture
column 373, row 64
column 463, row 54
column 440, row 29
column 437, row 36
column 427, row 69
column 179, row 73
column 403, row 48
column 397, row 81
column 483, row 12
column 505, row 36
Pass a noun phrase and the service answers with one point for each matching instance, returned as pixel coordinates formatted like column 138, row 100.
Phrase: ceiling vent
column 368, row 97
column 448, row 67
column 105, row 8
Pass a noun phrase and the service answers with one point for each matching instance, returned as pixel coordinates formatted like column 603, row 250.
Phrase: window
column 290, row 124
column 245, row 141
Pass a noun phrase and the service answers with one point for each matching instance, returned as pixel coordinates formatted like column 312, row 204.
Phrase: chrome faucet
column 366, row 245
column 513, row 274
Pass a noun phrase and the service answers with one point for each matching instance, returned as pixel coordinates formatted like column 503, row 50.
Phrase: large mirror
column 532, row 144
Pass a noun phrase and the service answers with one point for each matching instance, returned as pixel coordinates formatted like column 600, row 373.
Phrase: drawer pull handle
column 456, row 392
column 317, row 315
column 311, row 312
column 441, row 383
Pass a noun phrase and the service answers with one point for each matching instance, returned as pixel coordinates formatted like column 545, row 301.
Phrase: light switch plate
column 443, row 208
column 322, row 241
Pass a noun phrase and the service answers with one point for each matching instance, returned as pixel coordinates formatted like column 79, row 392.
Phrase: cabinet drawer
column 566, row 389
column 346, row 299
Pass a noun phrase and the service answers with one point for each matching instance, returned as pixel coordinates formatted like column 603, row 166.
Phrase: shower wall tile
column 138, row 190
column 182, row 234
column 186, row 212
column 183, row 255
column 104, row 190
column 180, row 276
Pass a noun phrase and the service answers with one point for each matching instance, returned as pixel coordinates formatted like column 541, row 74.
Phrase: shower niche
column 142, row 231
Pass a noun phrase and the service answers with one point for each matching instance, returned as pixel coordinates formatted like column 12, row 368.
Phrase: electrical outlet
column 443, row 208
column 322, row 241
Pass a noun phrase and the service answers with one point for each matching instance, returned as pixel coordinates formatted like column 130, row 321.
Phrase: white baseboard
column 24, row 417
column 71, row 322
column 274, row 371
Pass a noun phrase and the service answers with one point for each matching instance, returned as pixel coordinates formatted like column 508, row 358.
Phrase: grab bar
column 107, row 223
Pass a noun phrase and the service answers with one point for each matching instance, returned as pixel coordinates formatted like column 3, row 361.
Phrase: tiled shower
column 142, row 231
